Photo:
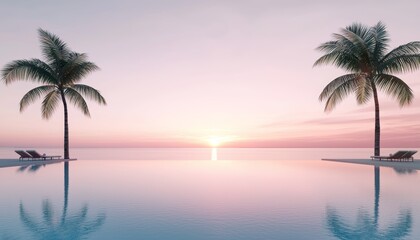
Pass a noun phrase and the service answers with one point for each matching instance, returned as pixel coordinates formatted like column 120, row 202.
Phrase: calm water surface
column 209, row 194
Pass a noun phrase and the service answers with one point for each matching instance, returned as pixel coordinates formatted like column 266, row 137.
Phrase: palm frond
column 53, row 48
column 49, row 104
column 34, row 94
column 330, row 88
column 341, row 43
column 90, row 93
column 380, row 35
column 77, row 99
column 342, row 52
column 400, row 64
column 395, row 87
column 338, row 93
column 33, row 69
column 362, row 41
column 363, row 89
column 77, row 68
column 342, row 59
column 77, row 57
column 329, row 46
column 361, row 36
column 357, row 29
column 411, row 48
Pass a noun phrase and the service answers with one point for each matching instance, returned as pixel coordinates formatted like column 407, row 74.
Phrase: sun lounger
column 23, row 155
column 36, row 155
column 391, row 157
column 398, row 156
column 409, row 156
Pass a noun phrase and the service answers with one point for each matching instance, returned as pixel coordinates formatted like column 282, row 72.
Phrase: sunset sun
column 217, row 141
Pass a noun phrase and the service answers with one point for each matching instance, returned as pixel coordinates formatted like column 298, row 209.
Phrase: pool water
column 240, row 194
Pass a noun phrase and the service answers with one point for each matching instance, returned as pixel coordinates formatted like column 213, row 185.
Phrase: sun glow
column 216, row 141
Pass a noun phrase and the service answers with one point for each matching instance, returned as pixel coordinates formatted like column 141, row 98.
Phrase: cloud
column 397, row 130
column 340, row 120
column 402, row 138
column 402, row 118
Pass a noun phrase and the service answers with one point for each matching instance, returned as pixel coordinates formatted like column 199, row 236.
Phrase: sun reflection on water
column 214, row 154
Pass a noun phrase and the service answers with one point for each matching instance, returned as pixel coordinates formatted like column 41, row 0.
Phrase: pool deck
column 18, row 163
column 394, row 164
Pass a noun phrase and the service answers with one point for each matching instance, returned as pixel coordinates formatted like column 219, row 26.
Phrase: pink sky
column 178, row 73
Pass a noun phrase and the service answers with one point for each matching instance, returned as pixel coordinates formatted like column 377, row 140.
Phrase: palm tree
column 60, row 76
column 362, row 52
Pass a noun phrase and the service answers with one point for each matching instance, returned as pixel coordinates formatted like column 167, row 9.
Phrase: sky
column 195, row 73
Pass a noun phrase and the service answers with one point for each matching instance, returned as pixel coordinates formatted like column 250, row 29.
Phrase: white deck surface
column 18, row 163
column 395, row 164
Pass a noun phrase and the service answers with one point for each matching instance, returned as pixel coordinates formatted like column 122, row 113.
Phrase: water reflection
column 31, row 168
column 366, row 226
column 404, row 171
column 66, row 226
column 7, row 236
column 214, row 154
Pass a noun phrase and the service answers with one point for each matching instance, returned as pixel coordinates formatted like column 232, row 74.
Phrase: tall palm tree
column 60, row 76
column 362, row 52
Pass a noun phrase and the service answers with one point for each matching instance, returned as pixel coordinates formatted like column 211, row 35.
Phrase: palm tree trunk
column 66, row 127
column 377, row 122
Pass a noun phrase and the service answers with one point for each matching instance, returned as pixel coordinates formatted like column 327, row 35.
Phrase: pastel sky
column 178, row 73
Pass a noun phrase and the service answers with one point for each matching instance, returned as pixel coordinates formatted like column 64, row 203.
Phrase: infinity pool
column 259, row 194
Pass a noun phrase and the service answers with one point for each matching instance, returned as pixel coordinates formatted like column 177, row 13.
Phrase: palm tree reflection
column 367, row 226
column 67, row 226
column 74, row 226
